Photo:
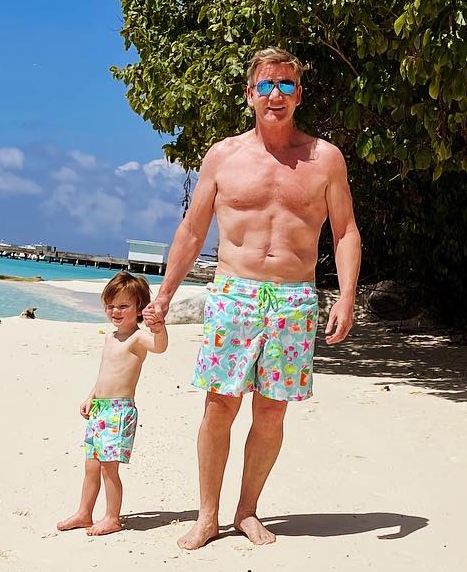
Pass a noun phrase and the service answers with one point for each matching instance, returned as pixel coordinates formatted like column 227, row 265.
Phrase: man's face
column 275, row 106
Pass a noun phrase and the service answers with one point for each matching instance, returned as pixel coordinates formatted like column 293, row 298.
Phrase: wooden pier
column 76, row 259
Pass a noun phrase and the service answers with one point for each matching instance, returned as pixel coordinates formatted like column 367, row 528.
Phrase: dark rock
column 390, row 300
column 28, row 313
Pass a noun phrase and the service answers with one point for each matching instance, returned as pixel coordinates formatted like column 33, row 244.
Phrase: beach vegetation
column 385, row 81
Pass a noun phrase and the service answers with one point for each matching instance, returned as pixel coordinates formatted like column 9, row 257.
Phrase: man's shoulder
column 326, row 147
column 224, row 149
column 229, row 143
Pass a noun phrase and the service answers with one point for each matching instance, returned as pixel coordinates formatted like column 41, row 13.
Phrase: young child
column 110, row 407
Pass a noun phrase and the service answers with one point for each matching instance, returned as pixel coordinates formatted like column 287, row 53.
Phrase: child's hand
column 153, row 319
column 157, row 327
column 153, row 315
column 149, row 315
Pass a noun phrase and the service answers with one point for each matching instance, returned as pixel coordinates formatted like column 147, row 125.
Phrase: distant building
column 41, row 248
column 145, row 251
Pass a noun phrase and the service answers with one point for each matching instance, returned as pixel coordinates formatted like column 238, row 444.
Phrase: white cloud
column 125, row 168
column 86, row 161
column 11, row 158
column 155, row 211
column 100, row 214
column 66, row 175
column 14, row 185
column 162, row 169
column 102, row 204
column 96, row 213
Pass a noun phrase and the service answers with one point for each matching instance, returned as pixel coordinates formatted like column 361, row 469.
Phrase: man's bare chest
column 271, row 183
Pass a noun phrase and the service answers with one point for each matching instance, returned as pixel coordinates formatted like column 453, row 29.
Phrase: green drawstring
column 267, row 298
column 97, row 405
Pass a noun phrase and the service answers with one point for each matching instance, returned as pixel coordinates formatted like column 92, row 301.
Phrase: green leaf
column 364, row 147
column 400, row 152
column 275, row 8
column 437, row 171
column 400, row 23
column 423, row 159
column 434, row 87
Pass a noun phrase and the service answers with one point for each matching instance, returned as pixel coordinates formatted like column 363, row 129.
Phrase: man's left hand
column 340, row 321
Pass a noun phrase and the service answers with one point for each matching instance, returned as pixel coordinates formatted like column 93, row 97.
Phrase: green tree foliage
column 386, row 83
column 389, row 77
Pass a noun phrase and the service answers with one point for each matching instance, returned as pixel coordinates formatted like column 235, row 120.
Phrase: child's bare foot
column 254, row 530
column 104, row 526
column 75, row 521
column 198, row 535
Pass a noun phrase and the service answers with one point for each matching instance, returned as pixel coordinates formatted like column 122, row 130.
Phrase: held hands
column 340, row 321
column 154, row 316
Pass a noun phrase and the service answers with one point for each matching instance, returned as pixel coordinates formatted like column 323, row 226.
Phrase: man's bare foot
column 198, row 535
column 75, row 521
column 104, row 526
column 254, row 530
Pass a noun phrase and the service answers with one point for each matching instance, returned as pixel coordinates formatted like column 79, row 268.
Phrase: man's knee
column 268, row 413
column 109, row 469
column 220, row 409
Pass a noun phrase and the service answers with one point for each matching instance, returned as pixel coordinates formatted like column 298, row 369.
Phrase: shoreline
column 95, row 287
column 54, row 298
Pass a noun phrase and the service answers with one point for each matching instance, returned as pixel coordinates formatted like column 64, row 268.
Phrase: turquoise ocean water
column 53, row 303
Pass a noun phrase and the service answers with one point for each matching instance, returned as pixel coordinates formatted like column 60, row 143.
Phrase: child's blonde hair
column 136, row 287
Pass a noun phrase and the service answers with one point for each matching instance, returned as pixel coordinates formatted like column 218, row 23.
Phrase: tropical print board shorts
column 111, row 429
column 258, row 336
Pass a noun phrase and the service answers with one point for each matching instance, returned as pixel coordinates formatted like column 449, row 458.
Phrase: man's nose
column 275, row 91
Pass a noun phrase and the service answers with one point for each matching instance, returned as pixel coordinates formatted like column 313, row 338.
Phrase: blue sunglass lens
column 266, row 86
column 287, row 87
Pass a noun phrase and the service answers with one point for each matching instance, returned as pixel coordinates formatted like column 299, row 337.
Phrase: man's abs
column 274, row 264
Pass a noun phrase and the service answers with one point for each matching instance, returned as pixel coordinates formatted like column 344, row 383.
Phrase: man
column 271, row 190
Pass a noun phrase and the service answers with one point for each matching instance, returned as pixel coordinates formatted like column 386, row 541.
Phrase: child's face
column 122, row 311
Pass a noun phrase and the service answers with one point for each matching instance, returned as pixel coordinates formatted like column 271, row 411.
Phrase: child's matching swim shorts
column 111, row 429
column 258, row 336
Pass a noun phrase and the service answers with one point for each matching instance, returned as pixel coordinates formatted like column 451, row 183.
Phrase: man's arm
column 190, row 235
column 347, row 249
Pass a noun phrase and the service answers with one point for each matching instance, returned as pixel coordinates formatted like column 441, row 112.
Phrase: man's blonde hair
column 273, row 55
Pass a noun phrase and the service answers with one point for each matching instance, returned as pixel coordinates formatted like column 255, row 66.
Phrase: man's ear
column 249, row 95
column 299, row 95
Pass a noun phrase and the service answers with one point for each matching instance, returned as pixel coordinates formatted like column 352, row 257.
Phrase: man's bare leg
column 261, row 450
column 213, row 451
column 91, row 485
column 114, row 493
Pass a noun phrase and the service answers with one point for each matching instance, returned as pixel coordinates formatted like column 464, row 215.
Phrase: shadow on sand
column 338, row 524
column 425, row 360
column 155, row 519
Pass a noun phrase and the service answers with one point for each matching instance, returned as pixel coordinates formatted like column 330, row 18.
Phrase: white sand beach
column 96, row 286
column 371, row 475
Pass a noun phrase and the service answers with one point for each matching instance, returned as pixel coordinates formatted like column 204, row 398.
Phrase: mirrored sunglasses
column 265, row 86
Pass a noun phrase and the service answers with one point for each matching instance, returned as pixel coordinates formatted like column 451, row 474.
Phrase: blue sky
column 78, row 168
